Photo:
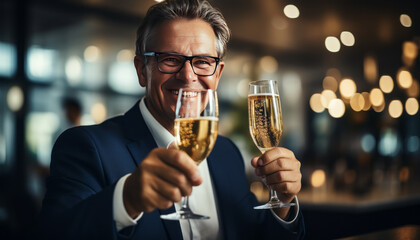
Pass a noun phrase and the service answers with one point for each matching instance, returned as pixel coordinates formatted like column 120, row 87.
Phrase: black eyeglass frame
column 186, row 58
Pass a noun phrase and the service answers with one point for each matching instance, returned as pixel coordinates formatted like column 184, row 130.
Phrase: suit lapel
column 142, row 142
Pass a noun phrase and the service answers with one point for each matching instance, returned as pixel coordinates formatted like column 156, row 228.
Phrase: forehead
column 185, row 36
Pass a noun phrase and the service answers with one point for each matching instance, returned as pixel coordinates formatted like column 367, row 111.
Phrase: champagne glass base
column 183, row 215
column 271, row 205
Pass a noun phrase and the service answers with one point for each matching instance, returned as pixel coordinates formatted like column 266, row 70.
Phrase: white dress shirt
column 201, row 201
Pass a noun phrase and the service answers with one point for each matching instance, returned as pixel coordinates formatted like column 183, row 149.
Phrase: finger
column 283, row 176
column 254, row 161
column 273, row 154
column 280, row 164
column 169, row 174
column 181, row 161
column 156, row 200
column 289, row 188
column 167, row 191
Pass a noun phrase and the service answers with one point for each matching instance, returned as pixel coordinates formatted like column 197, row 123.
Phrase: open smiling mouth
column 186, row 94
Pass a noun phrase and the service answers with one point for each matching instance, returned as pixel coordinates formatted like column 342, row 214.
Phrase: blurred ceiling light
column 405, row 20
column 367, row 101
column 41, row 63
column 125, row 55
column 73, row 70
column 122, row 78
column 357, row 102
column 404, row 79
column 15, row 98
column 98, row 112
column 376, row 97
column 7, row 59
column 379, row 108
column 316, row 103
column 368, row 142
column 395, row 108
column 91, row 54
column 318, row 178
column 386, row 84
column 334, row 72
column 410, row 50
column 388, row 143
column 347, row 88
column 370, row 68
column 158, row 1
column 330, row 83
column 332, row 44
column 412, row 106
column 291, row 11
column 347, row 38
column 268, row 64
column 328, row 95
column 413, row 91
column 336, row 108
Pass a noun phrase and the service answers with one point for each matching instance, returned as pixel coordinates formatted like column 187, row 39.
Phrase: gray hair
column 174, row 9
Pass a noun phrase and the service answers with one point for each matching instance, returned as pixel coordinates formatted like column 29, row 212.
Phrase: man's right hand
column 162, row 178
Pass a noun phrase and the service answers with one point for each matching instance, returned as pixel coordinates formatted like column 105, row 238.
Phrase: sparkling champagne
column 196, row 136
column 265, row 120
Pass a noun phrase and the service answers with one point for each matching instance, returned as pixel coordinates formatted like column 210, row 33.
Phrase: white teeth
column 186, row 94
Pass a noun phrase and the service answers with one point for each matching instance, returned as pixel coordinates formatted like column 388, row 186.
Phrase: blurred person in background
column 115, row 179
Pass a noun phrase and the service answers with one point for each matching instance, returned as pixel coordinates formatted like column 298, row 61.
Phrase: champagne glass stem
column 184, row 204
column 273, row 195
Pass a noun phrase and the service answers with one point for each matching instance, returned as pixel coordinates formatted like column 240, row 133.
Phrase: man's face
column 189, row 37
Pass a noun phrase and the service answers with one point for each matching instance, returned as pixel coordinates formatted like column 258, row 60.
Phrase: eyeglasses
column 173, row 63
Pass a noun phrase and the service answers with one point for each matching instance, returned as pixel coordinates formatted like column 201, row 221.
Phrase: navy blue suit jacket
column 87, row 162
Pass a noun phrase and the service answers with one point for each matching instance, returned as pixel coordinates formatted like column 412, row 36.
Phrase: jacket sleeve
column 78, row 201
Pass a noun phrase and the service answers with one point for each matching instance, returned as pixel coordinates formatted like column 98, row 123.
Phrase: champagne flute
column 195, row 128
column 266, row 125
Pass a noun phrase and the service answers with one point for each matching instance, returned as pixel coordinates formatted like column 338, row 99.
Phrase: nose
column 187, row 73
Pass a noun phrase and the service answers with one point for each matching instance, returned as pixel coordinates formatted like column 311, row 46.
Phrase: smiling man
column 115, row 179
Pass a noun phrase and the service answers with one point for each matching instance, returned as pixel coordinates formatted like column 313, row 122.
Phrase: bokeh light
column 336, row 108
column 366, row 97
column 357, row 102
column 327, row 96
column 92, row 54
column 15, row 98
column 268, row 64
column 98, row 112
column 318, row 178
column 332, row 44
column 291, row 11
column 386, row 84
column 404, row 78
column 330, row 83
column 347, row 88
column 413, row 91
column 347, row 38
column 316, row 103
column 405, row 20
column 376, row 97
column 395, row 108
column 412, row 106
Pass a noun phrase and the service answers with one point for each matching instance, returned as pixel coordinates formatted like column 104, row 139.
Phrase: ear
column 218, row 73
column 140, row 65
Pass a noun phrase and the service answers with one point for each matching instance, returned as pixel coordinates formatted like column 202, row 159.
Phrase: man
column 114, row 180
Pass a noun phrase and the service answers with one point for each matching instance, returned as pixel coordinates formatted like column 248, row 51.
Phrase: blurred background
column 348, row 77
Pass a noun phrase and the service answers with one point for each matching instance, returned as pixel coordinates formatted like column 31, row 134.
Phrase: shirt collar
column 161, row 135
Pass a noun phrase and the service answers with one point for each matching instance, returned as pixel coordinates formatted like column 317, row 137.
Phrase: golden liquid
column 265, row 120
column 196, row 136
